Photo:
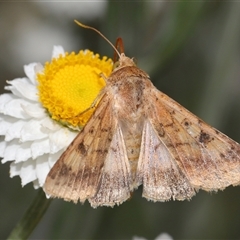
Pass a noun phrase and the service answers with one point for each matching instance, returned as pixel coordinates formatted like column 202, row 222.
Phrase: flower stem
column 31, row 218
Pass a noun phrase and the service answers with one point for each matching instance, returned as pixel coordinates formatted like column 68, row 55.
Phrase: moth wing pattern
column 87, row 164
column 157, row 170
column 207, row 158
column 115, row 184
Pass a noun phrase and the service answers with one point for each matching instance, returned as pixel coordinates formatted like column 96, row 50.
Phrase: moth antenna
column 94, row 29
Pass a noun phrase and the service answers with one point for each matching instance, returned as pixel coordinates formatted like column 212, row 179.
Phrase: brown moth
column 140, row 136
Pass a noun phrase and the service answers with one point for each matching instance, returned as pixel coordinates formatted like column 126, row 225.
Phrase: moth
column 140, row 136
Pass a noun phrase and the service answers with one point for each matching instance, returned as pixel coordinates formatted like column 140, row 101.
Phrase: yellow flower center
column 69, row 85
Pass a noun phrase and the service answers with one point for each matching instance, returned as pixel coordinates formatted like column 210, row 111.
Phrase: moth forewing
column 208, row 158
column 76, row 175
column 115, row 183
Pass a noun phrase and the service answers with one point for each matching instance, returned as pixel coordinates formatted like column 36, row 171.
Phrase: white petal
column 40, row 147
column 61, row 139
column 5, row 125
column 31, row 69
column 50, row 124
column 5, row 98
column 54, row 157
column 36, row 184
column 57, row 51
column 42, row 169
column 15, row 169
column 24, row 88
column 14, row 131
column 35, row 110
column 3, row 145
column 28, row 172
column 14, row 108
column 38, row 69
column 7, row 118
column 32, row 130
column 23, row 153
column 10, row 151
column 13, row 89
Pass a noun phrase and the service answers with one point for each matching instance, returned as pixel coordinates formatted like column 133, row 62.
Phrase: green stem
column 31, row 218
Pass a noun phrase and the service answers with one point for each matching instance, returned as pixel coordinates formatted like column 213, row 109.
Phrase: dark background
column 190, row 50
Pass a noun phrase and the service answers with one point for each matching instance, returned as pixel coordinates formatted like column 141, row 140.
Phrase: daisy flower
column 45, row 111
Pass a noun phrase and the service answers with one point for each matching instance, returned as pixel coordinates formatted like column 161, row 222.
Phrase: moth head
column 123, row 61
column 119, row 59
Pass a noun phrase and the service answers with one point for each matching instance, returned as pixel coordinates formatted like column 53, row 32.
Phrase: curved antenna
column 94, row 29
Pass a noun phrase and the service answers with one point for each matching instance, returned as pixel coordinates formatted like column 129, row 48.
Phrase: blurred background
column 191, row 50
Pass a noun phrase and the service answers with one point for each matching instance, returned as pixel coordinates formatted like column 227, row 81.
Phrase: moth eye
column 116, row 65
